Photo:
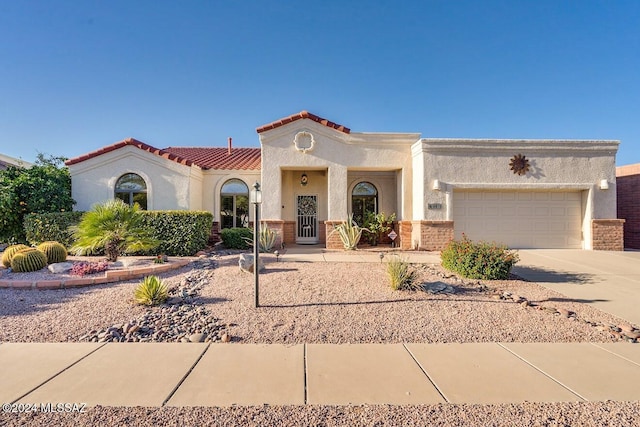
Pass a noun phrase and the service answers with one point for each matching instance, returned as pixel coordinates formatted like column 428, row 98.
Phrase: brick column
column 435, row 235
column 333, row 240
column 276, row 225
column 607, row 234
column 404, row 235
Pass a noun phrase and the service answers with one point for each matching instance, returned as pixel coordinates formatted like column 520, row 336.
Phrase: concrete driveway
column 609, row 281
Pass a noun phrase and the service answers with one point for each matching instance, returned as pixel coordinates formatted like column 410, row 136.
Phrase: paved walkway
column 157, row 374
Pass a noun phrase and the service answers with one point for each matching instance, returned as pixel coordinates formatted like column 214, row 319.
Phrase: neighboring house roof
column 628, row 170
column 299, row 116
column 6, row 161
column 203, row 157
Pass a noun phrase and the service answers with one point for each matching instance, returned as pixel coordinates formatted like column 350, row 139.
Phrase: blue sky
column 78, row 75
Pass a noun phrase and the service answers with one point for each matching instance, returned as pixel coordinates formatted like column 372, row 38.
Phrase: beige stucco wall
column 212, row 183
column 168, row 183
column 339, row 156
column 484, row 164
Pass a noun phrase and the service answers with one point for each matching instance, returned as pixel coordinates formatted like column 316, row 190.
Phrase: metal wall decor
column 519, row 164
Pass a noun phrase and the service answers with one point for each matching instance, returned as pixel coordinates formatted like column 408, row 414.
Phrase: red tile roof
column 204, row 157
column 219, row 158
column 302, row 115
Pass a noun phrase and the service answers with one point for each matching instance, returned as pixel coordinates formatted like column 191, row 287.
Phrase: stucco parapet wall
column 448, row 145
column 110, row 276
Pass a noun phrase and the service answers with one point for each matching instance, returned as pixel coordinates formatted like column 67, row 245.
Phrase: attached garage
column 520, row 219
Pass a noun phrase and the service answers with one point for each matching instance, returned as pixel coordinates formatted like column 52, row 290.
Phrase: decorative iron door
column 307, row 226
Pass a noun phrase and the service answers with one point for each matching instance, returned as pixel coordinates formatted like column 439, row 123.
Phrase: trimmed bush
column 30, row 259
column 478, row 260
column 9, row 252
column 43, row 227
column 54, row 251
column 181, row 233
column 151, row 291
column 236, row 238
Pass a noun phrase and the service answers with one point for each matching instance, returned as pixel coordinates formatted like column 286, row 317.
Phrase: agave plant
column 151, row 291
column 114, row 227
column 266, row 239
column 349, row 232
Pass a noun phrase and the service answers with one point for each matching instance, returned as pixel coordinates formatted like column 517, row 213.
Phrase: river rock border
column 109, row 276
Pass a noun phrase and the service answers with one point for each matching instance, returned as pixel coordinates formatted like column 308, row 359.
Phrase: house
column 628, row 198
column 6, row 161
column 314, row 173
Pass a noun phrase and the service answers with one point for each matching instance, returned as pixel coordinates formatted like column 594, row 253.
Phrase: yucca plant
column 401, row 275
column 350, row 233
column 151, row 291
column 114, row 227
column 9, row 252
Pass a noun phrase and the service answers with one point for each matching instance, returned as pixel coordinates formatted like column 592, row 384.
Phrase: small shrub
column 151, row 291
column 54, row 251
column 53, row 226
column 181, row 233
column 479, row 260
column 377, row 224
column 401, row 275
column 83, row 268
column 160, row 259
column 9, row 252
column 236, row 238
column 30, row 259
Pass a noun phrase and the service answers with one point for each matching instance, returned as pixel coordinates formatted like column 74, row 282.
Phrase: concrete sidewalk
column 157, row 374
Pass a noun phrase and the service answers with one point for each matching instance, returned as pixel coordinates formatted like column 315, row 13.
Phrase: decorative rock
column 199, row 337
column 625, row 327
column 633, row 335
column 438, row 288
column 246, row 263
column 225, row 337
column 524, row 303
column 60, row 267
column 564, row 312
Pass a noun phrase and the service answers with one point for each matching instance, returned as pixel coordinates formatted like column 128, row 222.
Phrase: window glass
column 131, row 188
column 234, row 204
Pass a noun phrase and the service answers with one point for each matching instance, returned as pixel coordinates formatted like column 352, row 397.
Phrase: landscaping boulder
column 60, row 267
column 246, row 263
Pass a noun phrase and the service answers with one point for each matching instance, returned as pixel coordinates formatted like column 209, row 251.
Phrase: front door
column 307, row 223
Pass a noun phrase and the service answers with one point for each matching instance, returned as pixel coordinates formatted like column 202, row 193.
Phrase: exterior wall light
column 436, row 185
column 304, row 179
column 604, row 184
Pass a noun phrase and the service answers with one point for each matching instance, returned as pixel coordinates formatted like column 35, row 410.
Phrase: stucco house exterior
column 628, row 199
column 314, row 173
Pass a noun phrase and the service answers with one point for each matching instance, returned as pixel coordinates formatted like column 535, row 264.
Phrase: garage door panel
column 520, row 219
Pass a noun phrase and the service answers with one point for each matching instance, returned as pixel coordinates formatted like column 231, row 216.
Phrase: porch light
column 604, row 184
column 256, row 198
column 304, row 179
column 436, row 185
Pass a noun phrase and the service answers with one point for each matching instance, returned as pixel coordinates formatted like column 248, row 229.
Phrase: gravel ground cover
column 327, row 303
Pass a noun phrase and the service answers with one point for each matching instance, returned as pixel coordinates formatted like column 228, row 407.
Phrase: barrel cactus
column 10, row 252
column 54, row 251
column 30, row 259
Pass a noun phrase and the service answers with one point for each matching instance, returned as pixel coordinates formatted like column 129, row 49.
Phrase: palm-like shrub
column 349, row 232
column 114, row 227
column 151, row 291
column 10, row 252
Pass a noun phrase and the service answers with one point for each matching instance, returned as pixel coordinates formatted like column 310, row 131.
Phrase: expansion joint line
column 426, row 374
column 184, row 377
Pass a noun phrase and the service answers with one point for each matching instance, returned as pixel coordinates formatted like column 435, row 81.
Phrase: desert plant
column 54, row 251
column 82, row 268
column 349, row 232
column 401, row 275
column 9, row 252
column 115, row 227
column 377, row 224
column 478, row 260
column 266, row 239
column 151, row 291
column 30, row 259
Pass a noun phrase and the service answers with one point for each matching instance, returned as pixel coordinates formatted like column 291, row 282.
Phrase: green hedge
column 478, row 260
column 236, row 238
column 43, row 227
column 182, row 233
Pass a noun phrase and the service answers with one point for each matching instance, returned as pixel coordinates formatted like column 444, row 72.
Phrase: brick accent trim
column 276, row 225
column 607, row 234
column 404, row 235
column 434, row 235
column 332, row 241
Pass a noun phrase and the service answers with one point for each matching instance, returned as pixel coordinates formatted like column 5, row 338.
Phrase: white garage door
column 519, row 219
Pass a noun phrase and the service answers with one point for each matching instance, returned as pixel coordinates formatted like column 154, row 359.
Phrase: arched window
column 131, row 188
column 364, row 199
column 234, row 204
